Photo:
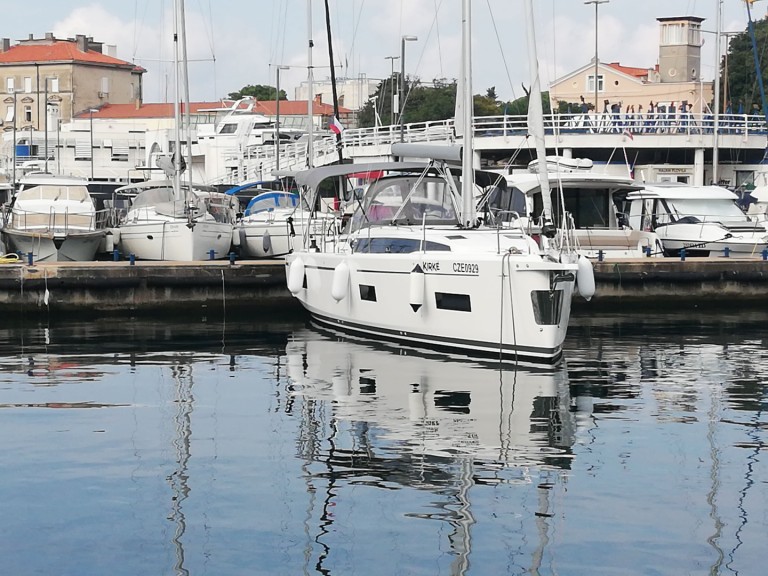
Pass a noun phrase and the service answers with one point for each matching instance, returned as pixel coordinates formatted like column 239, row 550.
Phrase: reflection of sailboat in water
column 178, row 480
column 427, row 422
column 436, row 405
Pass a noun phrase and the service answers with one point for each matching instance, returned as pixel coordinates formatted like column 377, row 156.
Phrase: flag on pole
column 336, row 126
column 628, row 134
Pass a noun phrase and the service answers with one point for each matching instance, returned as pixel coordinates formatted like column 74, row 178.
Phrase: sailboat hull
column 176, row 240
column 492, row 306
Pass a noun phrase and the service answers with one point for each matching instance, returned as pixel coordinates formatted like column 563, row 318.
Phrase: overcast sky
column 248, row 37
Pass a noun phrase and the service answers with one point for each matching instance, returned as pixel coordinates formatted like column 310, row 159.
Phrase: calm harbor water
column 198, row 447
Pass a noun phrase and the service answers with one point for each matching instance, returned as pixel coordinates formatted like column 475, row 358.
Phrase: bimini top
column 676, row 191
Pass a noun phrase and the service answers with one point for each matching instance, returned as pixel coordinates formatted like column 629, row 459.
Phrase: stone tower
column 680, row 49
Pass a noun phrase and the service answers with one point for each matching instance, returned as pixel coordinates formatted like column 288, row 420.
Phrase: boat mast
column 333, row 78
column 536, row 117
column 465, row 84
column 310, row 89
column 187, row 121
column 176, row 111
column 716, row 111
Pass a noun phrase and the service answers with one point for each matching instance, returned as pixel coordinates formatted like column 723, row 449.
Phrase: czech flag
column 335, row 126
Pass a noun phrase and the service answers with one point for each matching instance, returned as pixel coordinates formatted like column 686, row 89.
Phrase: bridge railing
column 258, row 162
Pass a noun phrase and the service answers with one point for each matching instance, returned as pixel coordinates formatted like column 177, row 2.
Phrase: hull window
column 458, row 302
column 368, row 293
column 397, row 246
column 547, row 306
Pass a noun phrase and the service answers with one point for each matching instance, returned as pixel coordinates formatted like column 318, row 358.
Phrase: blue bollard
column 599, row 255
column 682, row 254
column 211, row 254
column 726, row 252
column 647, row 250
column 765, row 254
column 232, row 257
column 115, row 255
column 30, row 258
column 132, row 259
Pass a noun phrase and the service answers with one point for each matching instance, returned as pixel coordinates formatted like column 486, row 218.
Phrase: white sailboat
column 161, row 224
column 171, row 219
column 415, row 264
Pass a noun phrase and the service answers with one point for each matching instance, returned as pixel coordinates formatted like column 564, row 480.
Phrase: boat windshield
column 54, row 192
column 406, row 200
column 707, row 209
column 153, row 196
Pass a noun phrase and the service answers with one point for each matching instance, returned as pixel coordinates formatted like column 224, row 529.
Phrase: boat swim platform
column 219, row 287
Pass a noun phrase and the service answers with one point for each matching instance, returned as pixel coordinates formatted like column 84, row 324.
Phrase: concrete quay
column 122, row 288
column 670, row 283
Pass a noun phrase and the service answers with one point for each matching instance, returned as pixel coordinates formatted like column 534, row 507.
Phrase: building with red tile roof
column 71, row 75
column 675, row 80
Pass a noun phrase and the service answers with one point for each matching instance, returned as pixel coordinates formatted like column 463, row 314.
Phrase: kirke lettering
column 431, row 266
column 466, row 268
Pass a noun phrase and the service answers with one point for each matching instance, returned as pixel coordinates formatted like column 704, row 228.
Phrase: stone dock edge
column 117, row 288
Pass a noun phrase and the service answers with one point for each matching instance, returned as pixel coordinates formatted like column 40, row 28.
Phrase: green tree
column 259, row 92
column 519, row 106
column 738, row 78
column 424, row 103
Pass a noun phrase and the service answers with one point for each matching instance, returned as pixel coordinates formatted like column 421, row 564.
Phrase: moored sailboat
column 415, row 264
column 171, row 219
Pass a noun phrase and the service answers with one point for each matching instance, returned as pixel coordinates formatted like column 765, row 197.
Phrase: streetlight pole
column 45, row 120
column 401, row 99
column 392, row 86
column 277, row 117
column 596, row 3
column 15, row 113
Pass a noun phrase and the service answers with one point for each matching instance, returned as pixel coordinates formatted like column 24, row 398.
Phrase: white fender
column 585, row 278
column 115, row 236
column 266, row 242
column 236, row 237
column 416, row 296
column 296, row 276
column 340, row 283
column 109, row 242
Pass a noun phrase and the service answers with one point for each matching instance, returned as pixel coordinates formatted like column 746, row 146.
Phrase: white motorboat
column 594, row 200
column 435, row 404
column 703, row 220
column 159, row 225
column 54, row 218
column 414, row 264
